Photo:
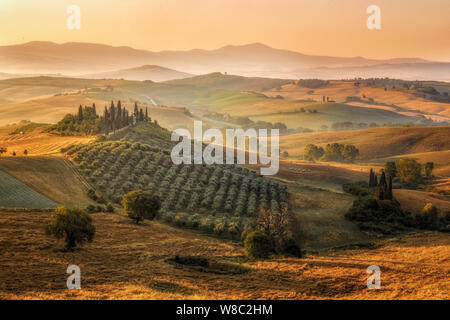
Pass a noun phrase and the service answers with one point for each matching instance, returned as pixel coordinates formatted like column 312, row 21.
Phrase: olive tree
column 140, row 205
column 74, row 225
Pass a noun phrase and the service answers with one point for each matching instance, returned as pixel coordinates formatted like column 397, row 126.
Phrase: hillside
column 413, row 267
column 147, row 72
column 33, row 138
column 45, row 99
column 407, row 101
column 15, row 194
column 376, row 142
column 414, row 201
column 219, row 199
column 232, row 82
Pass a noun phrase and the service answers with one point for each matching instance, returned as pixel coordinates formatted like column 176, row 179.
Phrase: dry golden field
column 126, row 261
column 375, row 142
column 414, row 201
column 38, row 144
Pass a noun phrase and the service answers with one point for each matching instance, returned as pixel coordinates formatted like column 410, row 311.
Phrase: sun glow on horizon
column 321, row 27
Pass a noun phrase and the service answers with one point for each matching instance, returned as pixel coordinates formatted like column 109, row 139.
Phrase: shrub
column 292, row 248
column 359, row 189
column 428, row 219
column 380, row 216
column 257, row 245
column 194, row 221
column 109, row 208
column 140, row 205
column 91, row 209
column 74, row 225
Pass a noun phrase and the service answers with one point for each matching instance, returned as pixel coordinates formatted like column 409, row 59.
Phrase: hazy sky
column 410, row 28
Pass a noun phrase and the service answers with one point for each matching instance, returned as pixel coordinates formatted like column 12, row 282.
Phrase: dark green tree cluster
column 383, row 188
column 332, row 152
column 88, row 122
column 409, row 171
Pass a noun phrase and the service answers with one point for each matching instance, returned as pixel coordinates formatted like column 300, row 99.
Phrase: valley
column 207, row 211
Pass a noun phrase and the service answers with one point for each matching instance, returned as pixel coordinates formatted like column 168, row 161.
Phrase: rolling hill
column 47, row 99
column 376, row 142
column 232, row 82
column 407, row 101
column 147, row 72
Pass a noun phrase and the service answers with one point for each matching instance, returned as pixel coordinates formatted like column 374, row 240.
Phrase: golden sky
column 409, row 28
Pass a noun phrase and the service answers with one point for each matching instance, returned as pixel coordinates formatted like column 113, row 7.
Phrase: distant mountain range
column 257, row 60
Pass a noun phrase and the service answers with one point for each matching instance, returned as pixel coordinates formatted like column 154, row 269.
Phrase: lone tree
column 74, row 225
column 3, row 150
column 140, row 205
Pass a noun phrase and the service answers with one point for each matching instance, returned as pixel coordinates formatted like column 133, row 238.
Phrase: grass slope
column 414, row 201
column 376, row 142
column 233, row 82
column 15, row 194
column 54, row 177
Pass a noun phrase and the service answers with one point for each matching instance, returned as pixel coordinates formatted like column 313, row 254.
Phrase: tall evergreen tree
column 146, row 114
column 112, row 111
column 371, row 178
column 119, row 115
column 382, row 179
column 136, row 111
column 94, row 110
column 389, row 188
column 80, row 113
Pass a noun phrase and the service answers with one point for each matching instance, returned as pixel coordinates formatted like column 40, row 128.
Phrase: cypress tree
column 371, row 178
column 119, row 115
column 124, row 117
column 389, row 188
column 382, row 179
column 112, row 112
column 146, row 114
column 80, row 113
column 375, row 180
column 94, row 110
column 136, row 111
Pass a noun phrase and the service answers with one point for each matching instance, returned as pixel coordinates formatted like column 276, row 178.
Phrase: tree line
column 332, row 152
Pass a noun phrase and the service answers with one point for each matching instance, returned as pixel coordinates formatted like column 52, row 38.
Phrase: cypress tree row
column 87, row 122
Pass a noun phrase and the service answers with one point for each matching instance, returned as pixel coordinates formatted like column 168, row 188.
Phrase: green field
column 15, row 194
